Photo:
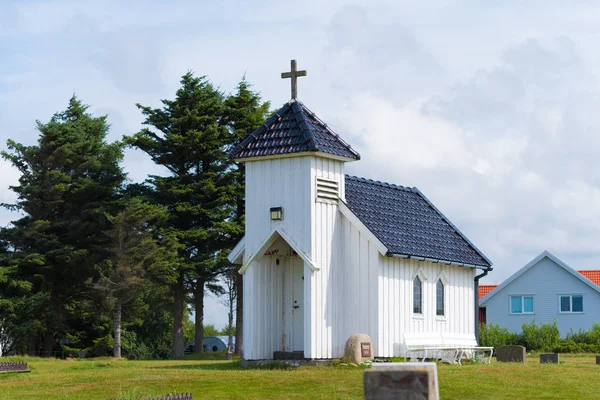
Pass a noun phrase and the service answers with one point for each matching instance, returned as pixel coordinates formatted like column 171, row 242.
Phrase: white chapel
column 327, row 255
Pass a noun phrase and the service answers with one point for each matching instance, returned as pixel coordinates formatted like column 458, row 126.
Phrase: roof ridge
column 380, row 183
column 293, row 129
column 331, row 132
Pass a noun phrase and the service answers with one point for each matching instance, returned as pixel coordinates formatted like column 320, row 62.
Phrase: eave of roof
column 544, row 254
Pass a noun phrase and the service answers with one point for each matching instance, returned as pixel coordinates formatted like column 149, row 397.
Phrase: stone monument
column 410, row 380
column 511, row 353
column 549, row 358
column 358, row 349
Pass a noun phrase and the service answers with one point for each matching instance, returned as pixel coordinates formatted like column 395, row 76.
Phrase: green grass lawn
column 577, row 377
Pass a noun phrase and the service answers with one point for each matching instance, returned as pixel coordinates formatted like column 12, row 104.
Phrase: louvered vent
column 327, row 190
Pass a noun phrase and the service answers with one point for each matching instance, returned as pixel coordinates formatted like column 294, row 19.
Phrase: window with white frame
column 572, row 303
column 521, row 304
column 417, row 296
column 439, row 298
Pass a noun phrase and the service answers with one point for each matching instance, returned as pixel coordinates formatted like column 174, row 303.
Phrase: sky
column 489, row 108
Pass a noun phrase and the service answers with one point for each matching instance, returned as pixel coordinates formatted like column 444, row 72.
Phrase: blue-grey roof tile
column 293, row 129
column 407, row 223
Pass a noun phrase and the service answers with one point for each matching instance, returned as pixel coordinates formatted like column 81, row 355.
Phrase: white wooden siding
column 396, row 302
column 356, row 290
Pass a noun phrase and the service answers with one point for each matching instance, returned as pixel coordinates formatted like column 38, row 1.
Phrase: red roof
column 485, row 289
column 592, row 275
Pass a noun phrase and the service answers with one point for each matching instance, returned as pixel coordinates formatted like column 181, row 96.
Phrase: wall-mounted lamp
column 276, row 213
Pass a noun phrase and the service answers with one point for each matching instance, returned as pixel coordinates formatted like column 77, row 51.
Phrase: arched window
column 417, row 296
column 439, row 298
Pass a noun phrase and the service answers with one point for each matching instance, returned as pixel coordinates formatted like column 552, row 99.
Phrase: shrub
column 495, row 335
column 546, row 337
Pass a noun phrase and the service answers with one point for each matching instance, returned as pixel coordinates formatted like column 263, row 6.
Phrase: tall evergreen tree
column 68, row 181
column 139, row 253
column 244, row 112
column 187, row 137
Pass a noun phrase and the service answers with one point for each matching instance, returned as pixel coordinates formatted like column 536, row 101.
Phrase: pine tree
column 188, row 138
column 139, row 253
column 68, row 181
column 244, row 113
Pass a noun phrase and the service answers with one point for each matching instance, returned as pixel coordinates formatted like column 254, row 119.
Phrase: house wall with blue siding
column 545, row 281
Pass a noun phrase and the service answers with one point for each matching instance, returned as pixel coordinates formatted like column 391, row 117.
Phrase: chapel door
column 293, row 305
column 298, row 304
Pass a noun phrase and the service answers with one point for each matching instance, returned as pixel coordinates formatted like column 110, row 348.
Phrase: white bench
column 450, row 348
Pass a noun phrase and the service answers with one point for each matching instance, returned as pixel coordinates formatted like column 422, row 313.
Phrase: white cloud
column 490, row 109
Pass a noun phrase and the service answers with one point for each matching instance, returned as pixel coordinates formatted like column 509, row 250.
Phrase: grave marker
column 401, row 381
column 549, row 358
column 511, row 353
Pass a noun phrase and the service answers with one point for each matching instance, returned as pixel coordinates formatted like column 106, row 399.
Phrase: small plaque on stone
column 357, row 347
column 550, row 358
column 511, row 353
column 401, row 381
column 365, row 349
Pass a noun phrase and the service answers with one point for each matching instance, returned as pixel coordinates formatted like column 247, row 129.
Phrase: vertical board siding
column 285, row 183
column 356, row 290
column 396, row 302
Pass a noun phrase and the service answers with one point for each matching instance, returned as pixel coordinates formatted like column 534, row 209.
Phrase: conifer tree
column 244, row 113
column 139, row 252
column 68, row 181
column 187, row 137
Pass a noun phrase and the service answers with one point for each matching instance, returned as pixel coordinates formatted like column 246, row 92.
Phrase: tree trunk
column 239, row 315
column 199, row 303
column 178, row 310
column 48, row 340
column 48, row 343
column 117, row 350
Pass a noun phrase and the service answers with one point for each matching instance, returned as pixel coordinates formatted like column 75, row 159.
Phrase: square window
column 565, row 303
column 528, row 304
column 577, row 303
column 515, row 304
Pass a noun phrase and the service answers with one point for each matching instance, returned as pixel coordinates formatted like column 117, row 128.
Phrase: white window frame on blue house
column 570, row 296
column 522, row 296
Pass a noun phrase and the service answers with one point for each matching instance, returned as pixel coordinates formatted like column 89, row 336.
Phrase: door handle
column 295, row 307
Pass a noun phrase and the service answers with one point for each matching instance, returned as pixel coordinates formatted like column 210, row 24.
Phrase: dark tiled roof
column 406, row 222
column 293, row 129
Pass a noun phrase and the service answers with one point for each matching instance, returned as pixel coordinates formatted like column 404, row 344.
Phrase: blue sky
column 492, row 111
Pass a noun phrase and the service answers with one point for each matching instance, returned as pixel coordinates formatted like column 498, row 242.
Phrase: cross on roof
column 294, row 74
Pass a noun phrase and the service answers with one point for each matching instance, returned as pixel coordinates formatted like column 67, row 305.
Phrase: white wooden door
column 298, row 304
column 293, row 304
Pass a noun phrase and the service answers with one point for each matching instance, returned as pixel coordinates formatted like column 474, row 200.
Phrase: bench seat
column 450, row 348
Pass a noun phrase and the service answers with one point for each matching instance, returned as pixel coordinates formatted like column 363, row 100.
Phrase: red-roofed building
column 545, row 290
column 483, row 290
column 592, row 275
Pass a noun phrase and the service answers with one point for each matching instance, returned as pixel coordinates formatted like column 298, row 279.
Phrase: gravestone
column 8, row 367
column 597, row 360
column 410, row 380
column 550, row 358
column 511, row 353
column 358, row 349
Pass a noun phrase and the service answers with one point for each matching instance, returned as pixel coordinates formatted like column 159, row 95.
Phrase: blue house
column 544, row 290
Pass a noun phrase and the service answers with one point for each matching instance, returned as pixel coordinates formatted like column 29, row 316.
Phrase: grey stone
column 401, row 381
column 549, row 358
column 511, row 353
column 597, row 360
column 358, row 349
